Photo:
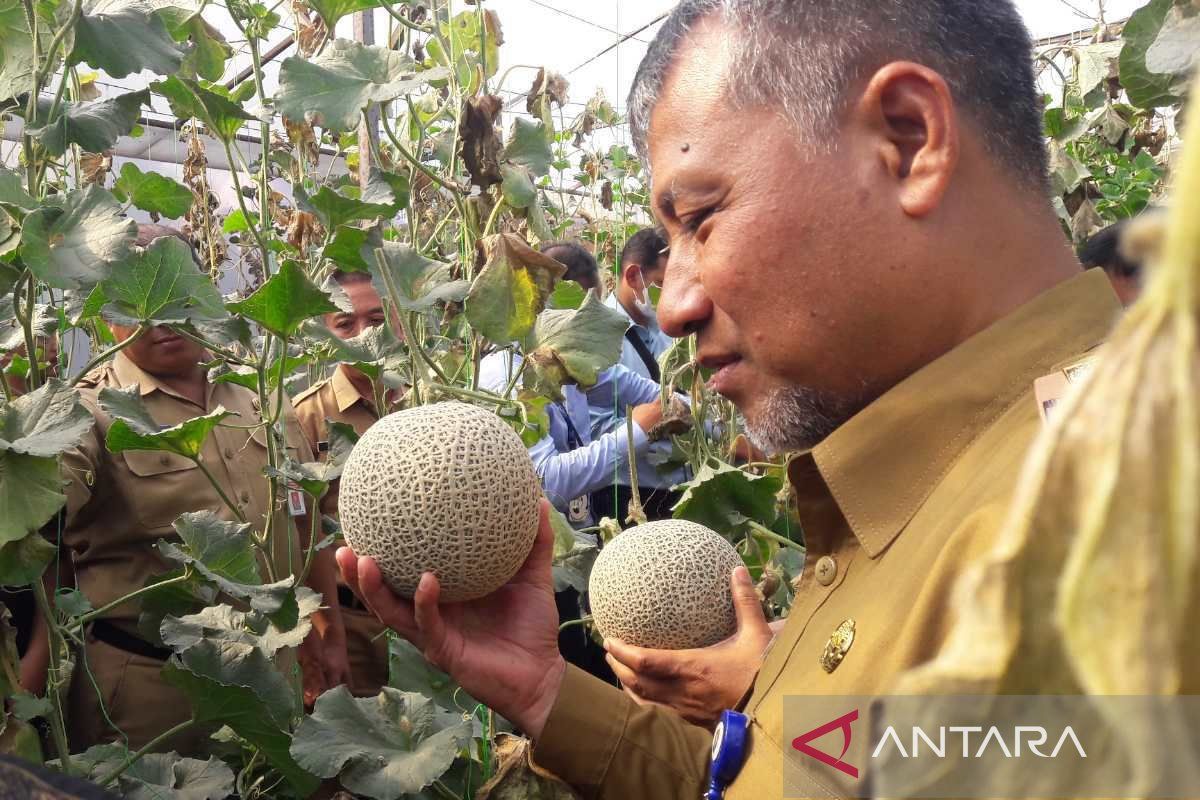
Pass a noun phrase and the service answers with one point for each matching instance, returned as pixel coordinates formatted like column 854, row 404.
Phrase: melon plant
column 665, row 585
column 446, row 488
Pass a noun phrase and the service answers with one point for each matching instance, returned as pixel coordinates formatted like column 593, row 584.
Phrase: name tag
column 295, row 502
column 1050, row 389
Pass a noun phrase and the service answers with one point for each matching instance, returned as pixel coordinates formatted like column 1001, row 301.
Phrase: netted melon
column 446, row 488
column 665, row 585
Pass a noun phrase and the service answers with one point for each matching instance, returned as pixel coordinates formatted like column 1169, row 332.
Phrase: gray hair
column 803, row 56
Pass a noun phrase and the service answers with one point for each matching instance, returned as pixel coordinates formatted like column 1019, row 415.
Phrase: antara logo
column 844, row 723
column 1025, row 738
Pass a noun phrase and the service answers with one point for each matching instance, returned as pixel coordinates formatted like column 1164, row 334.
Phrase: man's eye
column 692, row 222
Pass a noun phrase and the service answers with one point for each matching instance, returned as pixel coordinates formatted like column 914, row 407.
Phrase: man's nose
column 683, row 306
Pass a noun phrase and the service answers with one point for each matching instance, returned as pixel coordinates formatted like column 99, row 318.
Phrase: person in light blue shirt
column 571, row 460
column 643, row 265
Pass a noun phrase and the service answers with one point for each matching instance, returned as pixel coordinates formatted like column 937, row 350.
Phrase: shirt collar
column 129, row 373
column 345, row 394
column 883, row 464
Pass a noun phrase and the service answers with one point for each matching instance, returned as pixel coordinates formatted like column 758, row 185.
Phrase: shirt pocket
column 163, row 486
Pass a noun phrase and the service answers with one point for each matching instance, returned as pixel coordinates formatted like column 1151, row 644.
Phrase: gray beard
column 799, row 418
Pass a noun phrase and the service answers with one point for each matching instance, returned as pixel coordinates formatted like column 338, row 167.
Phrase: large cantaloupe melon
column 665, row 585
column 446, row 488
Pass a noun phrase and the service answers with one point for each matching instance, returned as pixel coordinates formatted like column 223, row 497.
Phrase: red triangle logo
column 843, row 722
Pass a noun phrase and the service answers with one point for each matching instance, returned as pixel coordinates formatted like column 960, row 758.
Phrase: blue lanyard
column 728, row 752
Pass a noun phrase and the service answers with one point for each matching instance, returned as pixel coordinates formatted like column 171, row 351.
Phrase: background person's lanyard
column 578, row 509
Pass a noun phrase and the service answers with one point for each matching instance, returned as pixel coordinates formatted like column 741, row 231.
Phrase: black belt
column 113, row 636
column 348, row 599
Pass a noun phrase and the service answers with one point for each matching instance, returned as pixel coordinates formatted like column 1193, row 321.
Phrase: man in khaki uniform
column 347, row 397
column 120, row 505
column 862, row 243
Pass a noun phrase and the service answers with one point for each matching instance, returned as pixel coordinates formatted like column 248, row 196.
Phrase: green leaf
column 13, row 196
column 208, row 54
column 347, row 246
column 134, row 433
column 517, row 186
column 574, row 555
column 567, row 294
column 17, row 63
column 331, row 11
column 241, row 707
column 23, row 561
column 333, row 88
column 223, row 553
column 222, row 116
column 94, row 125
column 123, row 37
column 381, row 747
column 161, row 285
column 235, row 222
column 26, row 707
column 153, row 192
column 1146, row 86
column 372, row 351
column 30, row 493
column 1066, row 172
column 529, row 146
column 387, row 188
column 44, row 422
column 225, row 624
column 334, row 209
column 287, row 299
column 419, row 283
column 1095, row 64
column 1176, row 51
column 575, row 345
column 73, row 243
column 726, row 498
column 408, row 671
column 72, row 602
column 156, row 776
column 511, row 289
column 248, row 376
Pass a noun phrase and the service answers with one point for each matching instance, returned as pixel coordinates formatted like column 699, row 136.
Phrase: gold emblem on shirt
column 838, row 645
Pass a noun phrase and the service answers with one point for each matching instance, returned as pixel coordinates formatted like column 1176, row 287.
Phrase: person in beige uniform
column 120, row 505
column 862, row 241
column 346, row 397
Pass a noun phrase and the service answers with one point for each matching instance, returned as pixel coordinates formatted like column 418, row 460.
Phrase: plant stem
column 636, row 514
column 241, row 200
column 147, row 748
column 106, row 354
column 470, row 395
column 220, row 492
column 571, row 623
column 491, row 220
column 99, row 612
column 35, row 375
column 410, row 158
column 8, row 394
column 444, row 791
column 31, row 167
column 57, row 728
column 771, row 536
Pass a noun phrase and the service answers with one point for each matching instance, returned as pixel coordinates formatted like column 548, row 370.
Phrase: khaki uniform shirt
column 120, row 505
column 895, row 504
column 332, row 399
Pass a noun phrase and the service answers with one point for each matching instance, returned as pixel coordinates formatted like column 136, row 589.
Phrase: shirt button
column 826, row 570
column 245, row 496
column 228, row 453
column 164, row 459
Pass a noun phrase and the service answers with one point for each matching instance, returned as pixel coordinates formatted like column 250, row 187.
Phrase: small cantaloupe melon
column 446, row 488
column 665, row 585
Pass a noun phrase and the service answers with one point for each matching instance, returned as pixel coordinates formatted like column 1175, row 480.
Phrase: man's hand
column 502, row 649
column 701, row 683
column 646, row 416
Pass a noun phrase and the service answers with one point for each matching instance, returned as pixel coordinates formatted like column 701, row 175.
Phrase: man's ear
column 630, row 275
column 911, row 111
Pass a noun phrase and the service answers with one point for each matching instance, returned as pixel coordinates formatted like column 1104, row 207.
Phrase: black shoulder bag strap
column 644, row 353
